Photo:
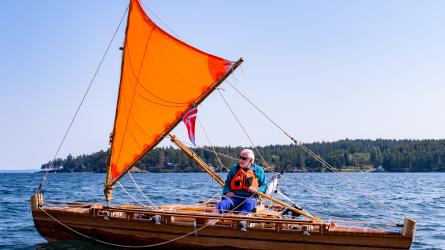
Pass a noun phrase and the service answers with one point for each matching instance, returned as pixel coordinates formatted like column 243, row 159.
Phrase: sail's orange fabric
column 161, row 79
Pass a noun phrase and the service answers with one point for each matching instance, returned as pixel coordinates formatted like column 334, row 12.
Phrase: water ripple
column 419, row 195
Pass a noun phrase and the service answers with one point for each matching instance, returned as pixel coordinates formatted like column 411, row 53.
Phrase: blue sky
column 323, row 70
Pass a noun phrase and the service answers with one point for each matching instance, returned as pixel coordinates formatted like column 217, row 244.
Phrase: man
column 243, row 181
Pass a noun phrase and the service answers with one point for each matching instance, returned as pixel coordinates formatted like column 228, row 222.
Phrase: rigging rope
column 137, row 186
column 208, row 150
column 339, row 200
column 257, row 108
column 348, row 180
column 323, row 194
column 164, row 23
column 316, row 191
column 244, row 130
column 131, row 196
column 211, row 199
column 214, row 151
column 211, row 145
column 39, row 187
column 315, row 156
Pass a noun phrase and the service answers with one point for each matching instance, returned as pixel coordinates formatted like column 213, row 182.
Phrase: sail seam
column 160, row 104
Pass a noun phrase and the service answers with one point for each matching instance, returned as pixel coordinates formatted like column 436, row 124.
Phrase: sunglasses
column 243, row 158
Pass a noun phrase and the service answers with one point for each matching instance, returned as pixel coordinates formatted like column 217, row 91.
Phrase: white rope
column 164, row 23
column 316, row 157
column 344, row 202
column 211, row 199
column 211, row 145
column 208, row 150
column 222, row 165
column 244, row 130
column 131, row 196
column 337, row 199
column 146, row 198
column 143, row 195
column 286, row 178
column 349, row 180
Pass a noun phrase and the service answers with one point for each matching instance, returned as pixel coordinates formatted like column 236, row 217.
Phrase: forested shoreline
column 345, row 155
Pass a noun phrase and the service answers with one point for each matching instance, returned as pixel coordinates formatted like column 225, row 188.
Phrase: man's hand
column 230, row 194
column 253, row 189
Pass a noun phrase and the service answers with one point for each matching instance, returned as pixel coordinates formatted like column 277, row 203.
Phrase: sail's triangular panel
column 161, row 79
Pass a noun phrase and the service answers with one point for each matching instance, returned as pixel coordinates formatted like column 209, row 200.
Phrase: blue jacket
column 259, row 173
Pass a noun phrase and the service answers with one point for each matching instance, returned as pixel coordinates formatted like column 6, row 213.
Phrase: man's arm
column 262, row 182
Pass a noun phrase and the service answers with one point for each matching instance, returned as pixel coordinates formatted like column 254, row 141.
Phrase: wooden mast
column 218, row 179
column 107, row 186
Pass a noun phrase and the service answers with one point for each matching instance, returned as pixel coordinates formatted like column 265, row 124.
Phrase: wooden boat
column 162, row 78
column 136, row 226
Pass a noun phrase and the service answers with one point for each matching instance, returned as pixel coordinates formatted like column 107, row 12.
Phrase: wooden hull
column 127, row 227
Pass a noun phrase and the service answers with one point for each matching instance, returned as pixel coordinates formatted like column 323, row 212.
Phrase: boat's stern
column 409, row 227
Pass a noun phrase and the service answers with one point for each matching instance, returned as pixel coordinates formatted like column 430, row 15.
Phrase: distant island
column 346, row 155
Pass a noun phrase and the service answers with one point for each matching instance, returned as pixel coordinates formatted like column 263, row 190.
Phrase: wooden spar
column 212, row 173
column 110, row 185
column 198, row 160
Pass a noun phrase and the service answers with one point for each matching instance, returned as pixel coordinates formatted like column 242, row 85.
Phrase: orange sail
column 162, row 78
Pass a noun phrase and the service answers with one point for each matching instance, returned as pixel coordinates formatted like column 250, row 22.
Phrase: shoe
column 243, row 226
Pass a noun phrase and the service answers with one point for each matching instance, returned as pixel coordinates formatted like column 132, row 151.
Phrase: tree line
column 345, row 155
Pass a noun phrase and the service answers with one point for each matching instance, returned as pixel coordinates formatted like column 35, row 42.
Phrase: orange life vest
column 243, row 179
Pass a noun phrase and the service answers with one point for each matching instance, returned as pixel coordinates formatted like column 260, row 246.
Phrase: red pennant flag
column 189, row 120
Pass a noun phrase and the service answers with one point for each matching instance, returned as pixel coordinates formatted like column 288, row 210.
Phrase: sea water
column 370, row 197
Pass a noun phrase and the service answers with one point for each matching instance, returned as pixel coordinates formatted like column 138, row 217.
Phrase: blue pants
column 234, row 202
